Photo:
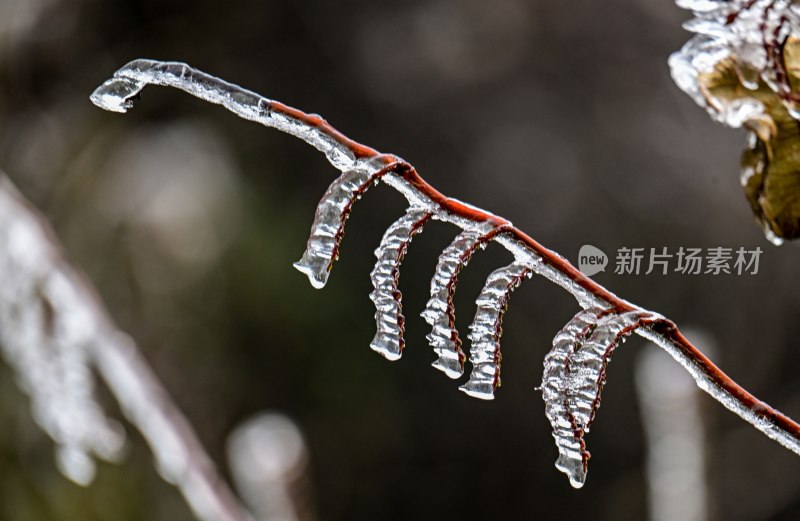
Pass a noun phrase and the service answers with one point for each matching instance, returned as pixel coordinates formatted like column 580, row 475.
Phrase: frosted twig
column 45, row 305
column 118, row 93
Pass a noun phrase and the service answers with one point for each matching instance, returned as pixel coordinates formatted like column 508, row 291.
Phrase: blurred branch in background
column 675, row 435
column 54, row 330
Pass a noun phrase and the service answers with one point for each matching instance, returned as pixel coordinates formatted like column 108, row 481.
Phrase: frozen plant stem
column 76, row 320
column 363, row 166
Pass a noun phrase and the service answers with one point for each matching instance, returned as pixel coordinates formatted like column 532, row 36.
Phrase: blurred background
column 561, row 116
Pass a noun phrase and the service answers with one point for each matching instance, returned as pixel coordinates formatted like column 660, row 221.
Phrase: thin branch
column 76, row 320
column 118, row 94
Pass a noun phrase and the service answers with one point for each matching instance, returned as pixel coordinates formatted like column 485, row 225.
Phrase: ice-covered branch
column 54, row 331
column 364, row 164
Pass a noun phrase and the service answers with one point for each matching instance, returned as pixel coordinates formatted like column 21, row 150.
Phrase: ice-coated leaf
column 439, row 311
column 389, row 318
column 573, row 379
column 327, row 230
column 751, row 33
column 487, row 327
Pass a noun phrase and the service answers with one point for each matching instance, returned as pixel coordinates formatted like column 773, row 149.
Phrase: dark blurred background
column 560, row 116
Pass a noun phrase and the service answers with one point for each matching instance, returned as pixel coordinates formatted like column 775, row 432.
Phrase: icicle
column 587, row 374
column 486, row 329
column 574, row 375
column 389, row 319
column 571, row 448
column 439, row 311
column 328, row 227
column 46, row 335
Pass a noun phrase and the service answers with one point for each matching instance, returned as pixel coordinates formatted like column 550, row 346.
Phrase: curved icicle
column 571, row 448
column 389, row 318
column 327, row 230
column 574, row 376
column 591, row 359
column 486, row 329
column 439, row 311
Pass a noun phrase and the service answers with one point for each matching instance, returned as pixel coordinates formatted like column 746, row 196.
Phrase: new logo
column 591, row 260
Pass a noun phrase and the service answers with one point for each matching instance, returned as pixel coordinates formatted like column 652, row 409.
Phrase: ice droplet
column 573, row 378
column 486, row 329
column 116, row 94
column 389, row 319
column 772, row 237
column 439, row 312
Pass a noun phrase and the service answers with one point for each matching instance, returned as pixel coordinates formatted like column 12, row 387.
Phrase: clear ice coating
column 487, row 327
column 46, row 334
column 439, row 311
column 389, row 319
column 119, row 93
column 750, row 32
column 328, row 227
column 573, row 378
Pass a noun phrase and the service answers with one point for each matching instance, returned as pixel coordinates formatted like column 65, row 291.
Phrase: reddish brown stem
column 665, row 327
